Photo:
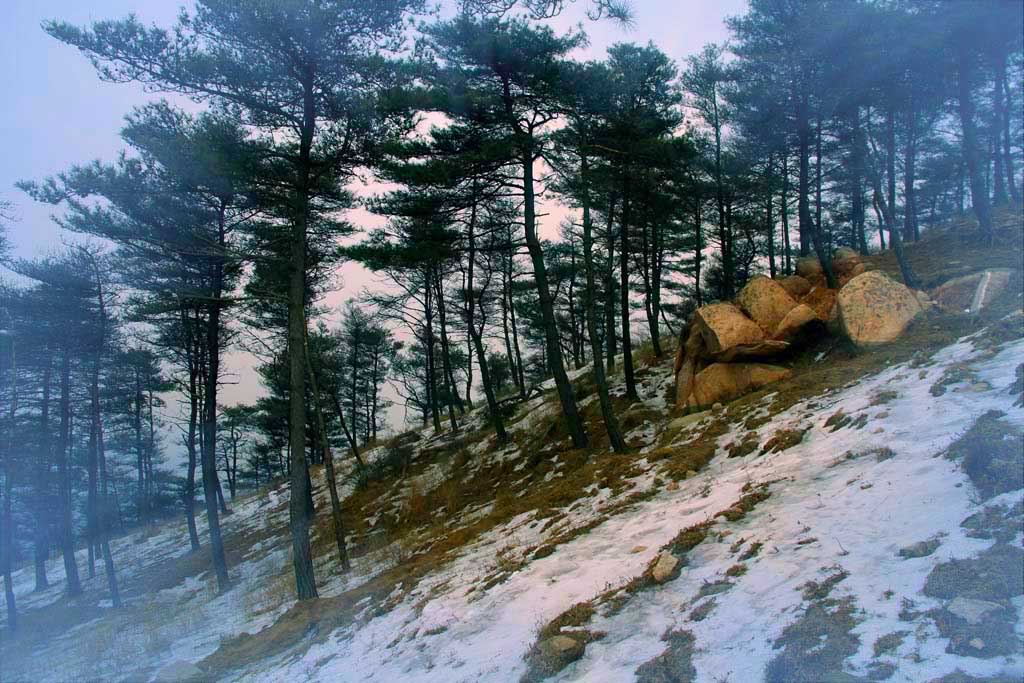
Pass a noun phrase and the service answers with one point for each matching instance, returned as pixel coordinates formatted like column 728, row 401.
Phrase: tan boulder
column 691, row 354
column 664, row 566
column 766, row 302
column 809, row 268
column 680, row 356
column 726, row 381
column 847, row 263
column 873, row 309
column 844, row 277
column 794, row 321
column 796, row 286
column 971, row 293
column 822, row 301
column 844, row 255
column 723, row 326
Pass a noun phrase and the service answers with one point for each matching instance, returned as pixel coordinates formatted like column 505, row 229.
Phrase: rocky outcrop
column 795, row 286
column 847, row 264
column 873, row 309
column 795, row 321
column 723, row 326
column 715, row 361
column 766, row 302
column 822, row 301
column 971, row 293
column 721, row 382
column 809, row 268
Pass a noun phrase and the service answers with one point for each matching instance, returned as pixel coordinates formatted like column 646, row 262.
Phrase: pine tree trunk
column 298, row 514
column 1011, row 176
column 999, row 195
column 910, row 228
column 7, row 523
column 476, row 334
column 824, row 250
column 624, row 317
column 807, row 226
column 505, row 293
column 565, row 392
column 325, row 446
column 140, row 463
column 451, row 388
column 67, row 538
column 979, row 195
column 769, row 223
column 611, row 423
column 105, row 512
column 211, row 484
column 698, row 250
column 725, row 240
column 784, row 202
column 190, row 445
column 609, row 288
column 804, row 182
column 857, row 157
column 97, row 450
column 428, row 298
column 344, row 427
column 42, row 535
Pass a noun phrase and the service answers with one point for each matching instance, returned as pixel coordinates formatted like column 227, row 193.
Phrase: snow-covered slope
column 835, row 569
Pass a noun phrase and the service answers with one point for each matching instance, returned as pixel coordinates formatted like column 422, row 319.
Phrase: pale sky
column 59, row 113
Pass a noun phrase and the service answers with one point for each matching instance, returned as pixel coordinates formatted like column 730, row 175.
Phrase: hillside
column 859, row 521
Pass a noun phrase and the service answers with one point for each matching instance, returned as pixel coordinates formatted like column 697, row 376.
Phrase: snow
column 859, row 511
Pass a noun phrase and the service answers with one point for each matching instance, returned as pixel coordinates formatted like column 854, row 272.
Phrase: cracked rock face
column 874, row 309
column 766, row 302
column 971, row 293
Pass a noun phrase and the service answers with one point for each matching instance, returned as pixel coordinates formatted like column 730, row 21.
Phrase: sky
column 59, row 113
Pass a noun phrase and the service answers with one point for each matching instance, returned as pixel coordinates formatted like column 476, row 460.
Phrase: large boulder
column 723, row 326
column 795, row 321
column 847, row 264
column 874, row 309
column 766, row 302
column 795, row 286
column 691, row 353
column 844, row 255
column 721, row 382
column 822, row 301
column 809, row 268
column 971, row 293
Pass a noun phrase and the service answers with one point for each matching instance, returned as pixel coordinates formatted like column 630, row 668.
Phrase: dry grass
column 784, row 439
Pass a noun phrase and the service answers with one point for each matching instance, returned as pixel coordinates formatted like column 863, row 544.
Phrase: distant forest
column 818, row 124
